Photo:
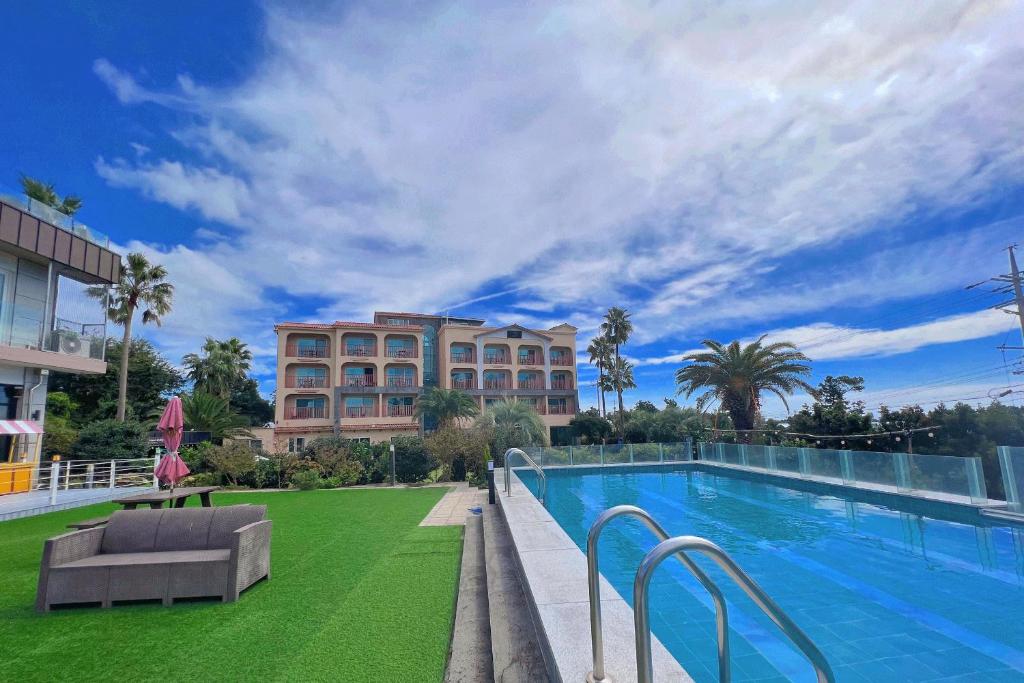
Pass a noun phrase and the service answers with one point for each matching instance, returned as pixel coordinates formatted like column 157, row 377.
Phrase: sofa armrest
column 76, row 545
column 250, row 555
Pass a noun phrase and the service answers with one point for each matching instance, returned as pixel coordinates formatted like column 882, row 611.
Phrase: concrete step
column 470, row 660
column 515, row 647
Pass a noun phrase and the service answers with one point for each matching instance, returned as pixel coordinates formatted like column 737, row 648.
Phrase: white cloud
column 590, row 152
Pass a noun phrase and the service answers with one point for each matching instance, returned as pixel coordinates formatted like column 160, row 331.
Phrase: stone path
column 454, row 507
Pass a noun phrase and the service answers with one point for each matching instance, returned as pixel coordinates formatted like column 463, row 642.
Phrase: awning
column 19, row 427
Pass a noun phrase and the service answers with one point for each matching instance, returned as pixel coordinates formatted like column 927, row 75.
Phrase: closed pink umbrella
column 172, row 468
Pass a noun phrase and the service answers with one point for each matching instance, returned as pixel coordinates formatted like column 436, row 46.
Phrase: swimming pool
column 888, row 595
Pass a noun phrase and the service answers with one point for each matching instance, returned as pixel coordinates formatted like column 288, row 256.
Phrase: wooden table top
column 163, row 496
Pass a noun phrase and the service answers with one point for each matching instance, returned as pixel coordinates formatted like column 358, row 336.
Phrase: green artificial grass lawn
column 358, row 592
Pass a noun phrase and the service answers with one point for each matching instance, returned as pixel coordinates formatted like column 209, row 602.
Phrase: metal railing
column 305, row 381
column 682, row 544
column 306, row 413
column 401, row 352
column 73, row 475
column 597, row 674
column 294, row 350
column 360, row 350
column 542, row 485
column 561, row 361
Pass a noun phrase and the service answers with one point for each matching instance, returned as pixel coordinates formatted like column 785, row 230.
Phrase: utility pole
column 1018, row 296
column 1011, row 283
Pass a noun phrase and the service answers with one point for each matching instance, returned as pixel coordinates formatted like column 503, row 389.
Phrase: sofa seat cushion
column 154, row 558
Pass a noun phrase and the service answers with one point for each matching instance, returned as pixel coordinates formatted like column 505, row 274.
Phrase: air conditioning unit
column 70, row 343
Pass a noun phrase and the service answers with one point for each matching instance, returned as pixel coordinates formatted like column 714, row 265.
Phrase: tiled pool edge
column 554, row 574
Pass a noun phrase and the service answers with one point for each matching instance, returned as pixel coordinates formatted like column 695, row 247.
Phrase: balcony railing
column 497, row 359
column 360, row 411
column 561, row 384
column 400, row 411
column 307, row 413
column 462, row 384
column 305, row 382
column 401, row 382
column 559, row 409
column 530, row 384
column 463, row 357
column 401, row 352
column 561, row 360
column 305, row 351
column 53, row 216
column 539, row 407
column 359, row 381
column 497, row 384
column 531, row 359
column 361, row 350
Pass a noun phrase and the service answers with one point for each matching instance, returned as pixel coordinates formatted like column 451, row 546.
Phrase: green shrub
column 412, row 460
column 197, row 456
column 202, row 479
column 306, row 480
column 110, row 439
column 234, row 460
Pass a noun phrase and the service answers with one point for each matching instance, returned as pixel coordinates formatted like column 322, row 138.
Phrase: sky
column 832, row 174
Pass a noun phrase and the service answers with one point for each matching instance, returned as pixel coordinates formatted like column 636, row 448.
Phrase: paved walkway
column 454, row 507
column 16, row 505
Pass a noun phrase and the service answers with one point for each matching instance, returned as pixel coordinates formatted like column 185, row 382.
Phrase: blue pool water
column 887, row 595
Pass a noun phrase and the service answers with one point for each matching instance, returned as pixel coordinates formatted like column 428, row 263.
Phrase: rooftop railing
column 901, row 472
column 53, row 216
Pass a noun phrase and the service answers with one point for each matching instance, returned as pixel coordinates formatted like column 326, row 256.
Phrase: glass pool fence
column 903, row 472
column 611, row 454
column 1011, row 465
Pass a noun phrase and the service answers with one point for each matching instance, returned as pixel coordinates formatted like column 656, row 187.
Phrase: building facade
column 361, row 380
column 48, row 322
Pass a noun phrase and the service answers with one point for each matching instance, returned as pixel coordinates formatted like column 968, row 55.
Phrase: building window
column 514, row 334
column 296, row 444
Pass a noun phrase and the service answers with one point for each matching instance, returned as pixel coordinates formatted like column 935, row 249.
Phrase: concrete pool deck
column 554, row 573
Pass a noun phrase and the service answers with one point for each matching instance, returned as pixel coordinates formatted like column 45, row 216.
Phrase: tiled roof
column 346, row 323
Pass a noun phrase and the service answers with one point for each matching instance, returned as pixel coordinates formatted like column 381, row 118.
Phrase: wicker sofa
column 158, row 554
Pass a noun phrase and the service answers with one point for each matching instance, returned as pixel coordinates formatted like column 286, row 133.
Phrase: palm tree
column 142, row 285
column 220, row 368
column 735, row 375
column 514, row 424
column 600, row 351
column 45, row 193
column 445, row 406
column 616, row 329
column 204, row 412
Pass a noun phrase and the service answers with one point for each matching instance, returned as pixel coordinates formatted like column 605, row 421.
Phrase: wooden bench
column 174, row 499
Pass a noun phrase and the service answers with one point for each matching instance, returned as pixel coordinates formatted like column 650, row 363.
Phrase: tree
column 111, row 439
column 221, row 367
column 600, row 351
column 445, row 406
column 513, row 424
column 142, row 285
column 616, row 329
column 60, row 435
column 205, row 412
column 234, row 460
column 831, row 413
column 736, row 375
column 151, row 379
column 620, row 375
column 590, row 426
column 645, row 407
column 247, row 402
column 45, row 193
column 458, row 451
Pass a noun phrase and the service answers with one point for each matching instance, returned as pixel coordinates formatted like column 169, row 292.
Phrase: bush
column 202, row 479
column 197, row 456
column 110, row 439
column 306, row 480
column 412, row 460
column 234, row 460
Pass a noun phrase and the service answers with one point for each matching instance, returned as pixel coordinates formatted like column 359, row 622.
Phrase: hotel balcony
column 359, row 381
column 399, row 411
column 560, row 408
column 309, row 347
column 497, row 384
column 529, row 355
column 561, row 382
column 463, row 384
column 353, row 412
column 530, row 383
column 292, row 381
column 306, row 413
column 401, row 382
column 400, row 346
column 497, row 354
column 463, row 356
column 561, row 356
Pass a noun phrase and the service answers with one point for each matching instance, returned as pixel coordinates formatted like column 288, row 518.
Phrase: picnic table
column 176, row 499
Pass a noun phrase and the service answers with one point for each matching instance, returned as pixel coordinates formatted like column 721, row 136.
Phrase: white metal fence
column 76, row 475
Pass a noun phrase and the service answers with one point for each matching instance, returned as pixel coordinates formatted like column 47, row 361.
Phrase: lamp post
column 392, row 449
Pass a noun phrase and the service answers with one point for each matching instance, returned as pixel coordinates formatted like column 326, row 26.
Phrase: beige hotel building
column 361, row 380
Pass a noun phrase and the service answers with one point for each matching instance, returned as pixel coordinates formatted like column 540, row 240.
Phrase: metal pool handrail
column 543, row 483
column 598, row 675
column 673, row 546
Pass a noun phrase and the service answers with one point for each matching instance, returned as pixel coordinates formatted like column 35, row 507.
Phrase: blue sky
column 826, row 173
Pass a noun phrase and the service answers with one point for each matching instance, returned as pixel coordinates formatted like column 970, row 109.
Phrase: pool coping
column 553, row 570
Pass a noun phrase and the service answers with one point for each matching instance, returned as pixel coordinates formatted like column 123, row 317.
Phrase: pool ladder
column 542, row 485
column 678, row 547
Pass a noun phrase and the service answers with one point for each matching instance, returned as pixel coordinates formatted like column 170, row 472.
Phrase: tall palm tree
column 616, row 328
column 445, row 405
column 735, row 376
column 142, row 285
column 514, row 424
column 600, row 351
column 220, row 368
column 45, row 193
